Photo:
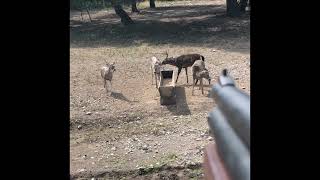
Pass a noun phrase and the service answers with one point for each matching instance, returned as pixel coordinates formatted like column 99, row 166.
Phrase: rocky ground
column 129, row 135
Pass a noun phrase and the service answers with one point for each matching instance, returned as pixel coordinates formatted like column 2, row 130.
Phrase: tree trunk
column 125, row 19
column 233, row 8
column 152, row 4
column 134, row 6
column 89, row 14
column 243, row 5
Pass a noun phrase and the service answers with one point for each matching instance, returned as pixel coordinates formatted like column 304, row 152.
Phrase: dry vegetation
column 115, row 136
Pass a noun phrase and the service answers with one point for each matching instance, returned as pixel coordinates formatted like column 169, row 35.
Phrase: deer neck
column 171, row 61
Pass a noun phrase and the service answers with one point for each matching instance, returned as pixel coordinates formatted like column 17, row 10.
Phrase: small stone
column 113, row 148
column 138, row 118
column 79, row 127
column 144, row 147
column 81, row 170
column 243, row 88
column 175, row 116
column 111, row 154
column 88, row 113
column 154, row 156
column 92, row 157
column 198, row 139
column 210, row 138
column 190, row 163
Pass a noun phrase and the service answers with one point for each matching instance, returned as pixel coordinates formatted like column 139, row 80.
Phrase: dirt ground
column 129, row 135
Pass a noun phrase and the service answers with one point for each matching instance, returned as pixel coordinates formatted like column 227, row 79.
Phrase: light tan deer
column 199, row 72
column 107, row 74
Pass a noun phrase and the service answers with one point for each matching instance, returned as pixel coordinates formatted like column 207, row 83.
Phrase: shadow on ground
column 120, row 96
column 181, row 107
column 198, row 25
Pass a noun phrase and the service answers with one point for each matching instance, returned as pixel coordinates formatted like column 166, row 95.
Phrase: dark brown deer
column 183, row 61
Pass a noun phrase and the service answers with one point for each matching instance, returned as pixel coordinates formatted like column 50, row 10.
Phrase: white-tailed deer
column 183, row 61
column 107, row 74
column 199, row 72
column 155, row 70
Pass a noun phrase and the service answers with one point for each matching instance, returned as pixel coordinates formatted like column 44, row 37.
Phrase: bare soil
column 129, row 135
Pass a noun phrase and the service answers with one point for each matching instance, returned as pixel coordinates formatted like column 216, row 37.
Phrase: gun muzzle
column 230, row 122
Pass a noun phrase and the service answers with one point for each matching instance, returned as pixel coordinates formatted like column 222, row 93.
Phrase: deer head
column 111, row 66
column 205, row 74
column 168, row 60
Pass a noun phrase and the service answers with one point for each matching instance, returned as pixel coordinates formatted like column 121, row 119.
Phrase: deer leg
column 89, row 14
column 81, row 16
column 187, row 74
column 152, row 75
column 106, row 86
column 193, row 86
column 156, row 77
column 201, row 84
column 196, row 81
column 104, row 83
column 110, row 90
column 179, row 70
